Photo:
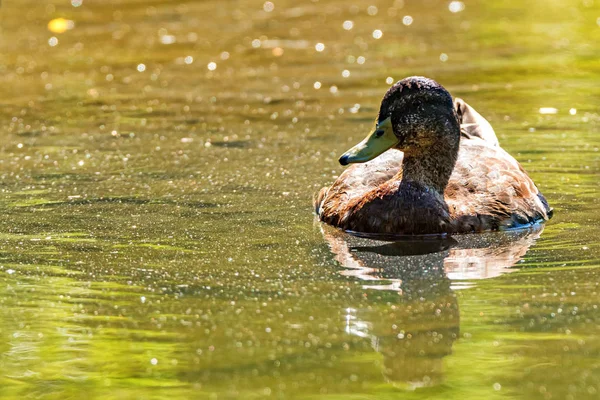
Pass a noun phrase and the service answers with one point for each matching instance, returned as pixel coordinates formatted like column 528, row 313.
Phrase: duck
column 431, row 165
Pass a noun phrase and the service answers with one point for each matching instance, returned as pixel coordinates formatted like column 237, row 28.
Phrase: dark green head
column 420, row 110
column 415, row 114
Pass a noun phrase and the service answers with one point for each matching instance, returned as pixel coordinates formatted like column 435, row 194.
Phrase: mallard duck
column 431, row 165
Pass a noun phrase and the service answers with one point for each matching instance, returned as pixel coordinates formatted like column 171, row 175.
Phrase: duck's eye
column 379, row 133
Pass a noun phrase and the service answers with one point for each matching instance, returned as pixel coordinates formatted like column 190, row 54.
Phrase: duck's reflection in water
column 421, row 321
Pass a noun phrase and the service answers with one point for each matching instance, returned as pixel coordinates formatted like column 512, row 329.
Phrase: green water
column 157, row 237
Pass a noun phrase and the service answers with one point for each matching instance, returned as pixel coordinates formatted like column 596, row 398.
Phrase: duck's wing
column 489, row 189
column 473, row 125
column 356, row 181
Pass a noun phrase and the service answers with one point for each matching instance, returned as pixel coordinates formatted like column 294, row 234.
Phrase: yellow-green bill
column 381, row 139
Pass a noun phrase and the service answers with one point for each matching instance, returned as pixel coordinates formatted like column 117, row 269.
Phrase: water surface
column 158, row 162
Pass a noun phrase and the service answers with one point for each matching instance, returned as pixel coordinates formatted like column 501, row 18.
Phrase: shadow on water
column 235, row 144
column 425, row 273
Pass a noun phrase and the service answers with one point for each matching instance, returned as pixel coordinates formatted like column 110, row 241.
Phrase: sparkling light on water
column 347, row 25
column 268, row 6
column 141, row 67
column 167, row 39
column 456, row 6
column 212, row 66
column 319, row 47
column 60, row 25
column 53, row 41
column 389, row 80
column 377, row 34
column 407, row 20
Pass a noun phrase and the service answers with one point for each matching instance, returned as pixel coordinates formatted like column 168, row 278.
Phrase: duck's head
column 415, row 114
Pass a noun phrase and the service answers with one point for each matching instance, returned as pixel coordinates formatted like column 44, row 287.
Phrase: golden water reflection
column 424, row 320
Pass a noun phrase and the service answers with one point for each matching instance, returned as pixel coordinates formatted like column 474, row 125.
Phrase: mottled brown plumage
column 446, row 174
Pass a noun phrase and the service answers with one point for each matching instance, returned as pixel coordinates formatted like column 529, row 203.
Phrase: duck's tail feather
column 549, row 210
column 472, row 124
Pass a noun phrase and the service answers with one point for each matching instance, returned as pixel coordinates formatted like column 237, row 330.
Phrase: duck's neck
column 431, row 167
